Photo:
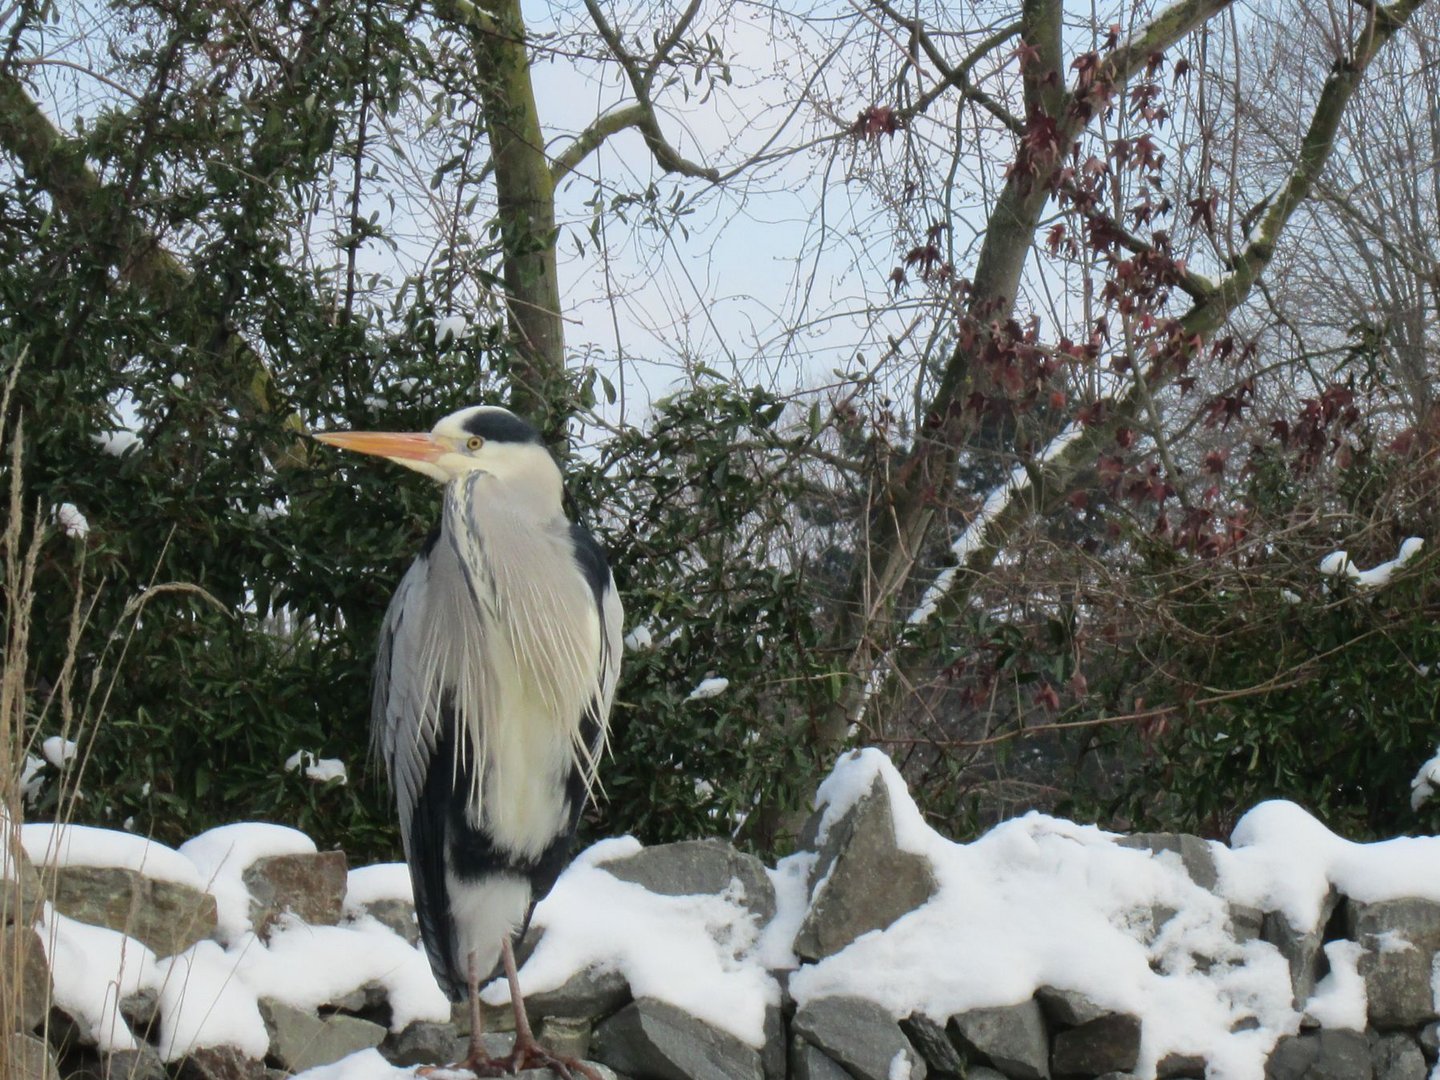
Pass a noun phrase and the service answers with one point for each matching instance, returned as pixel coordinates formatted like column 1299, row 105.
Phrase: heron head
column 481, row 438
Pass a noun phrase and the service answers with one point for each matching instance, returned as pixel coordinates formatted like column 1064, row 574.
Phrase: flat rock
column 165, row 916
column 592, row 993
column 310, row 885
column 1105, row 1044
column 220, row 1063
column 1068, row 1008
column 300, row 1040
column 863, row 1037
column 809, row 1062
column 1400, row 938
column 141, row 1064
column 1195, row 854
column 1397, row 1057
column 21, row 949
column 398, row 915
column 1012, row 1038
column 650, row 1038
column 861, row 881
column 20, row 890
column 31, row 1059
column 1321, row 1055
column 423, row 1043
column 1180, row 1067
column 699, row 867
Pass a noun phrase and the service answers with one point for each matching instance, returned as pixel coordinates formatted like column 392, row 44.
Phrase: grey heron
column 494, row 678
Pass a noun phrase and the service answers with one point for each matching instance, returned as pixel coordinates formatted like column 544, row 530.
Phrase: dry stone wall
column 857, row 881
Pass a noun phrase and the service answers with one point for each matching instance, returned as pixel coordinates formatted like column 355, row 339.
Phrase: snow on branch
column 1338, row 564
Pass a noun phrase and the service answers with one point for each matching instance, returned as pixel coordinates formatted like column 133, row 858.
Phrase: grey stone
column 934, row 1045
column 22, row 950
column 1430, row 1041
column 423, row 1043
column 1397, row 1057
column 220, row 1063
column 698, row 867
column 141, row 1064
column 861, row 881
column 1397, row 979
column 1321, row 1055
column 1195, row 854
column 1068, row 1008
column 859, row 1034
column 1106, row 1044
column 565, row 1036
column 1180, row 1067
column 1012, row 1038
column 809, row 1062
column 398, row 915
column 300, row 1040
column 141, row 1010
column 772, row 1054
column 1301, row 946
column 591, row 994
column 26, row 1057
column 20, row 890
column 650, row 1038
column 1246, row 923
column 310, row 885
column 163, row 915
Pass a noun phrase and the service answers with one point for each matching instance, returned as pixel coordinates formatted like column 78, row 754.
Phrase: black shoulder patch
column 591, row 560
column 501, row 425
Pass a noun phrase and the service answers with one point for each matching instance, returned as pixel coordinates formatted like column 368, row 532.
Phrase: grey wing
column 411, row 731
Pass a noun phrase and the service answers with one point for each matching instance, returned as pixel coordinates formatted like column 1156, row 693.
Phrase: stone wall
column 856, row 879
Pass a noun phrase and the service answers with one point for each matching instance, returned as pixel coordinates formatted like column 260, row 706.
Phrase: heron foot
column 529, row 1054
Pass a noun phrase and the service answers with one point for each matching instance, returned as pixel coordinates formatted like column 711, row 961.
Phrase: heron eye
column 474, row 442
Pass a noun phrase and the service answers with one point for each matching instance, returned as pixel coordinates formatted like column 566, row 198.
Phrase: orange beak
column 407, row 446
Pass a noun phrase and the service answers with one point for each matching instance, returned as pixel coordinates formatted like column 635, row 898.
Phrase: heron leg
column 528, row 1053
column 476, row 1052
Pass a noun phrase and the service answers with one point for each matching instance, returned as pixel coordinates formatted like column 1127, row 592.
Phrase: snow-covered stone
column 166, row 916
column 1400, row 939
column 861, row 880
column 699, row 866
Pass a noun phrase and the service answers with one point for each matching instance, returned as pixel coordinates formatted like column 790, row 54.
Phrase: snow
column 32, row 777
column 639, row 639
column 321, row 770
column 1338, row 564
column 58, row 751
column 93, row 970
column 1425, row 782
column 365, row 1065
column 451, row 326
column 383, row 881
column 71, row 521
column 222, row 855
column 1037, row 901
column 1339, row 999
column 708, row 688
column 85, row 845
column 695, row 952
column 975, row 533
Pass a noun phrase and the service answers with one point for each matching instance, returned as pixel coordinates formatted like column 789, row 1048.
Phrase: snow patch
column 71, row 521
column 451, row 326
column 1338, row 564
column 85, row 845
column 321, row 770
column 59, row 751
column 708, row 688
column 221, row 857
